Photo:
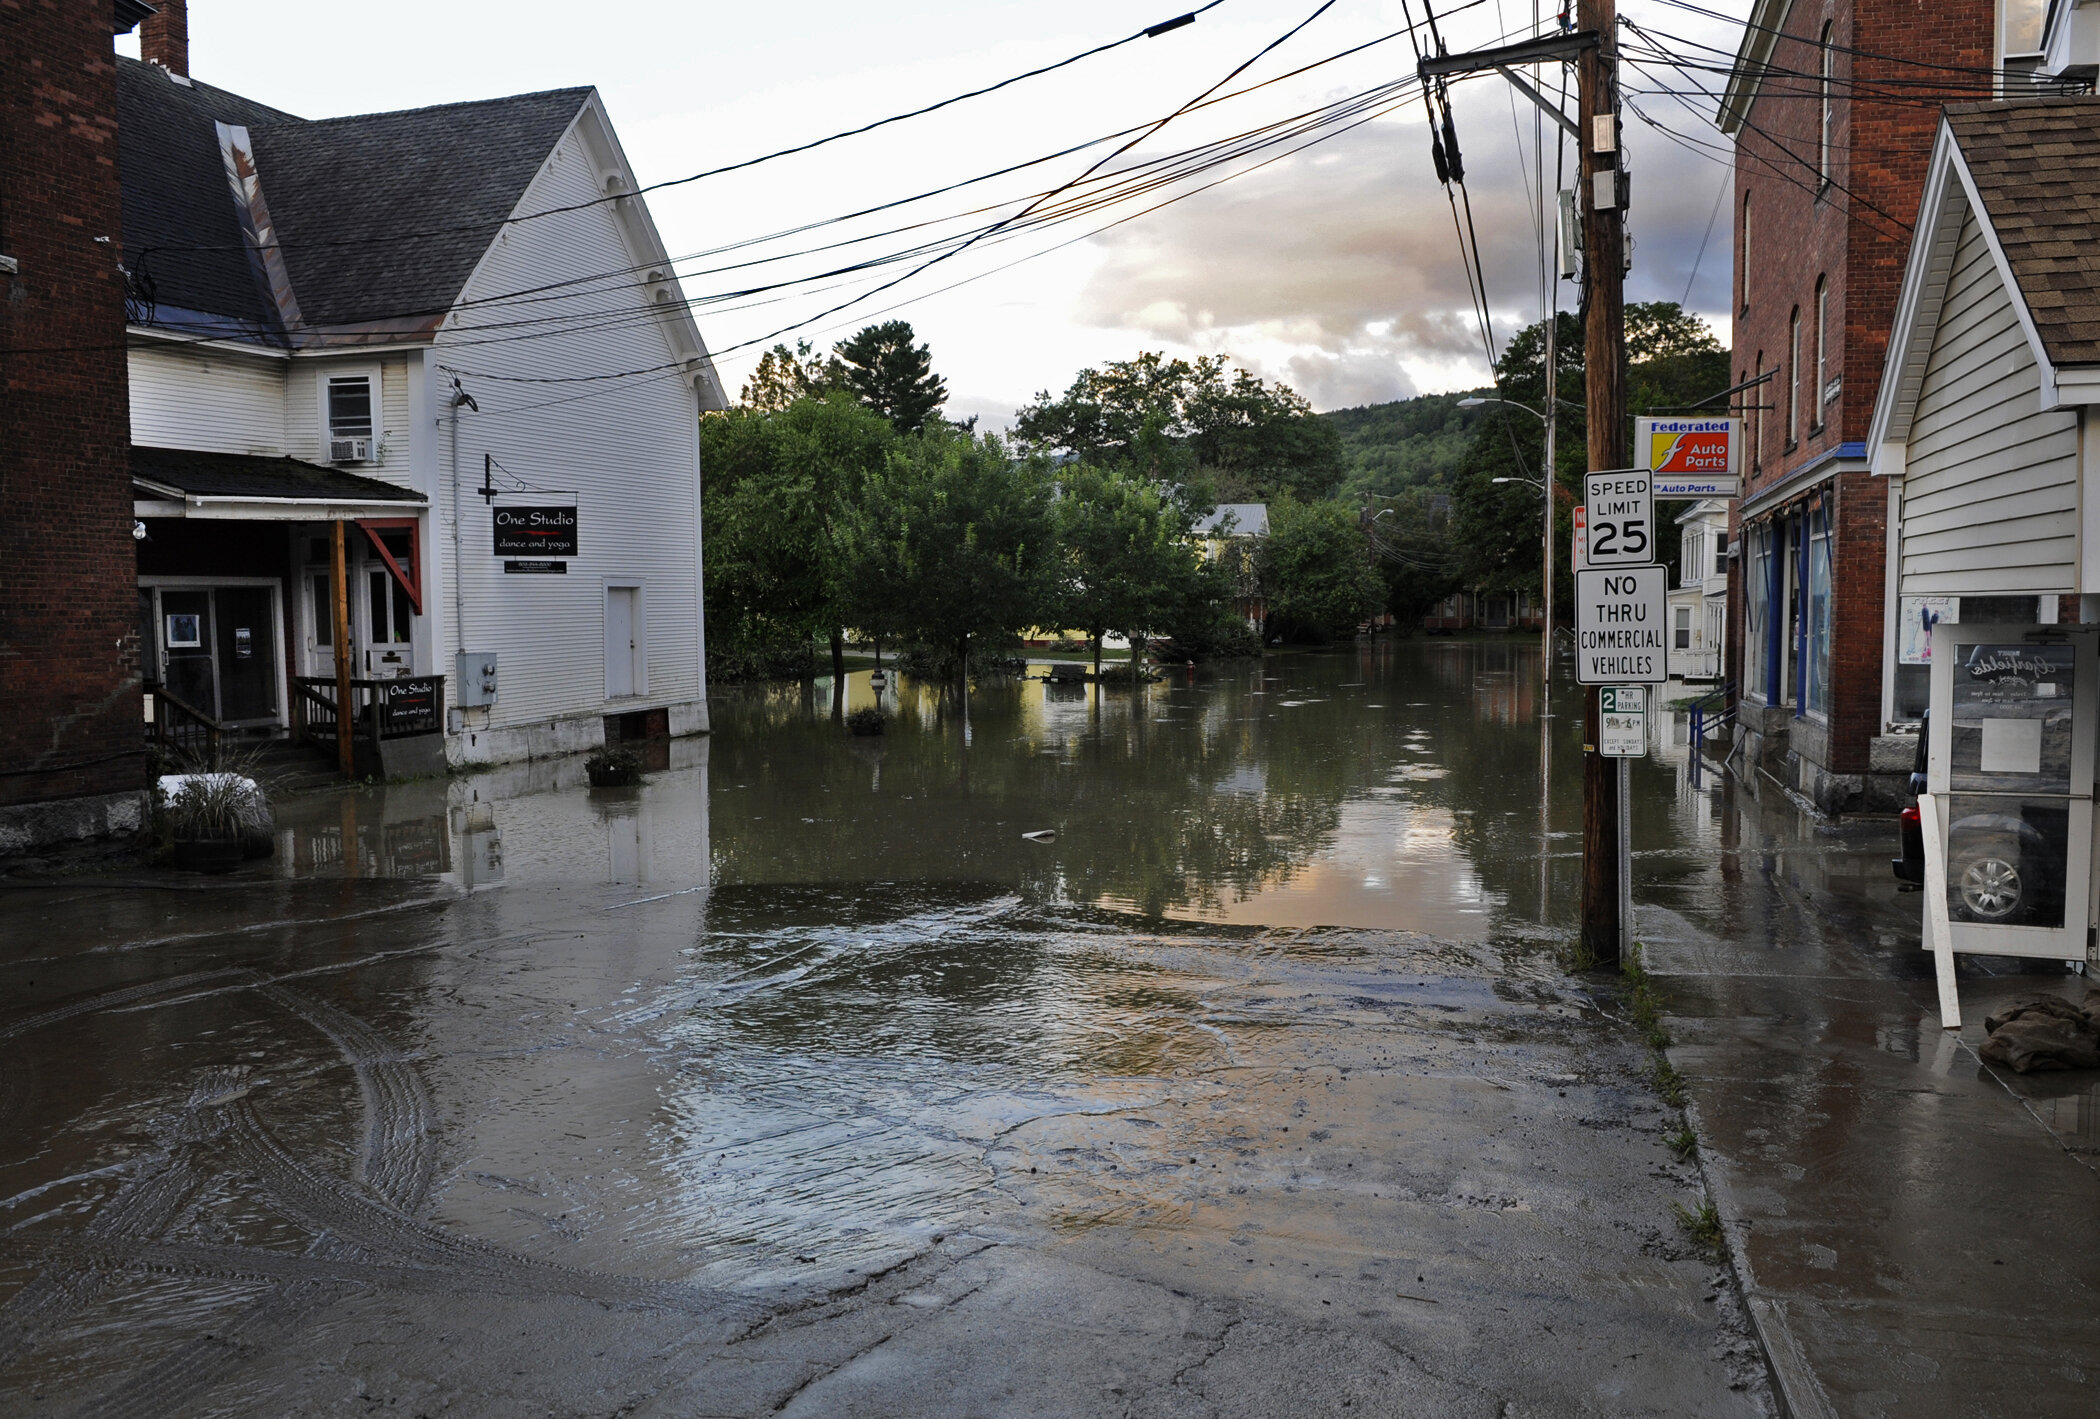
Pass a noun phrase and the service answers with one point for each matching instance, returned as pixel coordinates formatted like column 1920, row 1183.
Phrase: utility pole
column 1600, row 198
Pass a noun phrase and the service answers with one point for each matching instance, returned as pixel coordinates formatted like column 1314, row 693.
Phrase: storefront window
column 1818, row 610
column 1757, row 600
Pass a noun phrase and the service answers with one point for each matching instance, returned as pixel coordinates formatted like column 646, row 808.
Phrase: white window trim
column 326, row 372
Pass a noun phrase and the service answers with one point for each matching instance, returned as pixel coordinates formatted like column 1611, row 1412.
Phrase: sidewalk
column 1917, row 1233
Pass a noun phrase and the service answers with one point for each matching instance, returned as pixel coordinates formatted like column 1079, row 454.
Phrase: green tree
column 1411, row 538
column 777, row 491
column 1196, row 424
column 1126, row 559
column 1316, row 572
column 1673, row 359
column 784, row 376
column 951, row 539
column 891, row 375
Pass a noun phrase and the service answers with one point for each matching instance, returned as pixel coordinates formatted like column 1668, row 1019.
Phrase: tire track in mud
column 130, row 994
column 399, row 1156
column 386, row 1233
column 142, row 1209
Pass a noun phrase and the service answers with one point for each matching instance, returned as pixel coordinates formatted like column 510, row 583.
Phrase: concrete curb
column 1801, row 1395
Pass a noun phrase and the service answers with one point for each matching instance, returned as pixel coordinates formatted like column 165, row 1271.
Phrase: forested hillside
column 1403, row 444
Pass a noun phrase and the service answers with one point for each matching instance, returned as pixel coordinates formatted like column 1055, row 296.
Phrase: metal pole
column 1625, row 859
column 1604, row 366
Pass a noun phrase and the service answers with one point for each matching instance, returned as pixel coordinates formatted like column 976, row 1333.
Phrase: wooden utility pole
column 339, row 615
column 1604, row 365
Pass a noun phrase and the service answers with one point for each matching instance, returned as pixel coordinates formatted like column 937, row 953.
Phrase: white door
column 624, row 674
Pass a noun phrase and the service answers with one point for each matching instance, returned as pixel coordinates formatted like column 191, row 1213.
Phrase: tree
column 777, row 490
column 1673, row 360
column 951, row 539
column 784, row 376
column 889, row 374
column 1126, row 561
column 1189, row 424
column 1316, row 572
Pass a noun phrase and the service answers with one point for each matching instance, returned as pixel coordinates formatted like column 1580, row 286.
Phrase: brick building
column 71, row 760
column 1833, row 106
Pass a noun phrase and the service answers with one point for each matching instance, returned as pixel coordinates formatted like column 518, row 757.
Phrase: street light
column 1475, row 401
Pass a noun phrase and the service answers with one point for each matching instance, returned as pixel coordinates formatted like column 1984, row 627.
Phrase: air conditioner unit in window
column 349, row 450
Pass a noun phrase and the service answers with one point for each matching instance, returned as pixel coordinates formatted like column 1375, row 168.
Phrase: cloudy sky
column 1333, row 266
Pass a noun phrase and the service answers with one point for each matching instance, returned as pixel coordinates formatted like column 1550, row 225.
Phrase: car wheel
column 1990, row 886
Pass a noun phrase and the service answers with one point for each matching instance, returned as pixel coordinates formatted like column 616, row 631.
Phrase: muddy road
column 798, row 1081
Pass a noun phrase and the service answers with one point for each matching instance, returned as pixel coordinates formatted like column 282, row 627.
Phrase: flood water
column 510, row 1071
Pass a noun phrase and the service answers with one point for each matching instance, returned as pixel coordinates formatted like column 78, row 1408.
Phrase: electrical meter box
column 476, row 686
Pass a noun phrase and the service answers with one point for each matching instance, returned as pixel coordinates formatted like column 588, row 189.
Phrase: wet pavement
column 797, row 1080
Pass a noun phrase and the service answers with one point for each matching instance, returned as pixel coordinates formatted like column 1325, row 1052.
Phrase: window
column 1762, row 396
column 350, row 406
column 1793, row 378
column 1757, row 608
column 2020, row 27
column 1823, row 138
column 1821, row 392
column 1681, row 632
column 1720, row 552
column 1817, row 633
column 1743, row 261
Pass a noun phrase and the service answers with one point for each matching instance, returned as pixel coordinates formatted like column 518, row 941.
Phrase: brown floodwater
column 504, row 1081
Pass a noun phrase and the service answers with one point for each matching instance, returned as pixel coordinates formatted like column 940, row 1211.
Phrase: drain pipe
column 459, row 592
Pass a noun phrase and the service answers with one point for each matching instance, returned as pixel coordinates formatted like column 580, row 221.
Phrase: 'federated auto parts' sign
column 1619, row 626
column 1687, row 448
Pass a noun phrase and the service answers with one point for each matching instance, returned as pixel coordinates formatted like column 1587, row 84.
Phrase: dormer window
column 349, row 405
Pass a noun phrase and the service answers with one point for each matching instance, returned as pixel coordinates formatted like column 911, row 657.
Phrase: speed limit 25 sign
column 1618, row 520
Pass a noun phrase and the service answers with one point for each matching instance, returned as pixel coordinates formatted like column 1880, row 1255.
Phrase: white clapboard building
column 414, row 326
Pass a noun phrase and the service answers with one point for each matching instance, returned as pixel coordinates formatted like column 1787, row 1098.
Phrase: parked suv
column 2004, row 867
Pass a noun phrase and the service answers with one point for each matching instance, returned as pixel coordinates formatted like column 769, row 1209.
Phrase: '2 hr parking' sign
column 1618, row 511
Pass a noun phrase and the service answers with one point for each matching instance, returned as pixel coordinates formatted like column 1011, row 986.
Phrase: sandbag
column 2045, row 1033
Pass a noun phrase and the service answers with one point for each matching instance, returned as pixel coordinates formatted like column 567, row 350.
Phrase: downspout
column 459, row 590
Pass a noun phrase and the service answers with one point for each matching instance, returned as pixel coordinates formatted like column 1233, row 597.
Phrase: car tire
column 1989, row 885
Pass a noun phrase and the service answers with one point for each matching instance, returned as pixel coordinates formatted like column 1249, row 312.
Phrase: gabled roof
column 1761, row 35
column 1248, row 520
column 2026, row 170
column 381, row 217
column 191, row 473
column 2036, row 165
column 346, row 191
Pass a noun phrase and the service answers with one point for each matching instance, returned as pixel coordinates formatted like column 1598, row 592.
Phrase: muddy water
column 797, row 1078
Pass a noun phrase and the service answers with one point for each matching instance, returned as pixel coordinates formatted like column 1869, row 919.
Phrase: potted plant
column 614, row 768
column 212, row 818
column 866, row 720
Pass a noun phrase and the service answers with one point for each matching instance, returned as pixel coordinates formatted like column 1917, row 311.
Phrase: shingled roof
column 242, row 475
column 381, row 218
column 2036, row 164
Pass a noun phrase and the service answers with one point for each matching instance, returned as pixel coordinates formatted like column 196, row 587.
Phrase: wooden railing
column 180, row 730
column 379, row 709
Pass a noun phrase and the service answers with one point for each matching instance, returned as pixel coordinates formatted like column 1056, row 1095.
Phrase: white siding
column 207, row 399
column 303, row 416
column 1990, row 500
column 627, row 448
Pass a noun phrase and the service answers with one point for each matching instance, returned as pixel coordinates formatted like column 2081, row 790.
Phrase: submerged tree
column 1316, row 571
column 951, row 539
column 1126, row 560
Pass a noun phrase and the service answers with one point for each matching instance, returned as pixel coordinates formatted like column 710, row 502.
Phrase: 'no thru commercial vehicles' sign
column 1619, row 616
column 1618, row 519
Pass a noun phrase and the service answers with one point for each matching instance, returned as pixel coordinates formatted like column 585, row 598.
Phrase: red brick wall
column 1854, row 231
column 69, row 682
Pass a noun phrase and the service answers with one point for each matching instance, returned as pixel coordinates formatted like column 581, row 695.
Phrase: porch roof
column 200, row 480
